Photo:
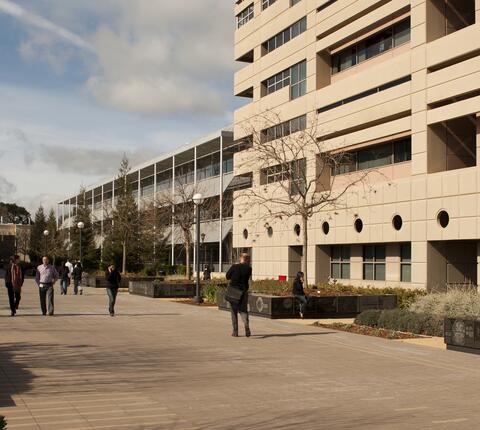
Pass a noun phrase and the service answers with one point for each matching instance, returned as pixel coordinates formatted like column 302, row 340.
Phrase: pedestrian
column 207, row 274
column 113, row 283
column 299, row 293
column 46, row 277
column 14, row 277
column 69, row 265
column 64, row 279
column 237, row 293
column 77, row 278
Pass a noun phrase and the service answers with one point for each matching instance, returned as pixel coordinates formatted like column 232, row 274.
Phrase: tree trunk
column 187, row 259
column 124, row 257
column 305, row 249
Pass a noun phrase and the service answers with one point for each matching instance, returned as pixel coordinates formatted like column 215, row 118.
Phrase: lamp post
column 202, row 236
column 80, row 226
column 198, row 201
column 45, row 235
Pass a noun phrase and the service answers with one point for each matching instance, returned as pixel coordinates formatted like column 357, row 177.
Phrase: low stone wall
column 462, row 335
column 101, row 282
column 162, row 289
column 318, row 307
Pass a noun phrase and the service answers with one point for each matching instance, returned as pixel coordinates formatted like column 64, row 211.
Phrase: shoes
column 50, row 315
column 12, row 314
column 301, row 315
column 234, row 334
column 16, row 306
column 81, row 292
column 44, row 313
column 112, row 314
column 248, row 333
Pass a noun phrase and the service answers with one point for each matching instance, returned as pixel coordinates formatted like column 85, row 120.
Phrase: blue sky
column 82, row 82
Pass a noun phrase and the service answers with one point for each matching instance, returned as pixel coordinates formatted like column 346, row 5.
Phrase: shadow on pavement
column 14, row 377
column 19, row 315
column 265, row 336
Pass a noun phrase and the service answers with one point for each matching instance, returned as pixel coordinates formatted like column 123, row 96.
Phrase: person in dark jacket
column 207, row 273
column 239, row 275
column 64, row 279
column 77, row 278
column 113, row 283
column 14, row 277
column 299, row 292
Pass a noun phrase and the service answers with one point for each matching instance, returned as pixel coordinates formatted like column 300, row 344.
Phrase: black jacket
column 298, row 288
column 8, row 274
column 239, row 275
column 64, row 274
column 114, row 278
column 77, row 273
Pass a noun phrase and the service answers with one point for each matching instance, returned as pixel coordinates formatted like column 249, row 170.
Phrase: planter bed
column 162, row 289
column 273, row 307
column 101, row 282
column 462, row 335
column 369, row 331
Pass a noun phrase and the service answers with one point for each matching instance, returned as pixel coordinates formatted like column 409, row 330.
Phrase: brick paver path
column 162, row 365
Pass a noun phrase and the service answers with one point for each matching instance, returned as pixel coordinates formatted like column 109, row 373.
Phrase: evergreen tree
column 56, row 240
column 89, row 252
column 37, row 239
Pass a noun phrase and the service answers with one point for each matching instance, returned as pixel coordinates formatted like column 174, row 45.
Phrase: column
column 197, row 208
column 173, row 197
column 220, row 220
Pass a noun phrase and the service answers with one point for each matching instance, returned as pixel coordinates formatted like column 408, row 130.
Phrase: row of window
column 388, row 38
column 385, row 154
column 374, row 262
column 247, row 14
column 285, row 128
column 286, row 35
column 267, row 3
column 295, row 76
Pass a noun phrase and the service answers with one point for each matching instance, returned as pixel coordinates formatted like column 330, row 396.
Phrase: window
column 294, row 2
column 293, row 171
column 406, row 262
column 340, row 262
column 267, row 3
column 385, row 154
column 208, row 166
column 227, row 164
column 366, row 93
column 383, row 41
column 244, row 16
column 374, row 262
column 286, row 35
column 295, row 76
column 284, row 129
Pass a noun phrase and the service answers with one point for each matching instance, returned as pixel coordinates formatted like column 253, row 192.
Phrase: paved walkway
column 169, row 366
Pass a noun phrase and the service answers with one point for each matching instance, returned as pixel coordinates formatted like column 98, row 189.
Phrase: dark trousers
column 242, row 307
column 64, row 285
column 13, row 298
column 112, row 297
column 303, row 301
column 77, row 286
column 46, row 295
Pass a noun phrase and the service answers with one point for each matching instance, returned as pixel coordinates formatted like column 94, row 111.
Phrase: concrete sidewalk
column 163, row 365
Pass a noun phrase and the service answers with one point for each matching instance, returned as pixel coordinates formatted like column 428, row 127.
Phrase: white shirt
column 70, row 267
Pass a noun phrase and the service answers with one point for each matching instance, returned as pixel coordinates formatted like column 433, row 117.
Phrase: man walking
column 46, row 277
column 77, row 278
column 14, row 278
column 239, row 275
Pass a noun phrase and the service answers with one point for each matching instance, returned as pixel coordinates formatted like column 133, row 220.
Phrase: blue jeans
column 112, row 297
column 64, row 286
column 303, row 301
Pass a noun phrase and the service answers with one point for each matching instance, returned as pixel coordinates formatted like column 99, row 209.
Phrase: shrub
column 181, row 269
column 369, row 317
column 452, row 304
column 405, row 320
column 3, row 423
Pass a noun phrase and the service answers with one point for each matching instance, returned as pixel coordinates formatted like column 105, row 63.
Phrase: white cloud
column 7, row 189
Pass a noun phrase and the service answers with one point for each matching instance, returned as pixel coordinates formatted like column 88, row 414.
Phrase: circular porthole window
column 270, row 231
column 325, row 227
column 358, row 224
column 443, row 218
column 397, row 222
column 297, row 229
column 245, row 233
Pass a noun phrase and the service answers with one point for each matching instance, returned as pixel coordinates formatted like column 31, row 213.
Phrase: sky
column 84, row 82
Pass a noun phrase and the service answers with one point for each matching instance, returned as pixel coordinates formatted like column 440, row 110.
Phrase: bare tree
column 297, row 172
column 183, row 212
column 23, row 241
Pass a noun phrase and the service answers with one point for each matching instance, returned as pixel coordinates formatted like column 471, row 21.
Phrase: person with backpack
column 77, row 278
column 14, row 277
column 64, row 279
column 113, row 284
column 237, row 293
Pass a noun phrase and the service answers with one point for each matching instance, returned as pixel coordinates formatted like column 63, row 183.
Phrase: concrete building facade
column 397, row 85
column 207, row 165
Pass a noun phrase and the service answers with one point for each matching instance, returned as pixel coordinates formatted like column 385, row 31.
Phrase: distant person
column 239, row 275
column 69, row 265
column 77, row 278
column 299, row 293
column 113, row 283
column 46, row 277
column 14, row 277
column 64, row 279
column 207, row 273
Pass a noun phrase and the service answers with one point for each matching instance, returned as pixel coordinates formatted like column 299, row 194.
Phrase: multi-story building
column 397, row 85
column 207, row 165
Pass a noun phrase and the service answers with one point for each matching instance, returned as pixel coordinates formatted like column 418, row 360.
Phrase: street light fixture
column 198, row 201
column 45, row 235
column 80, row 226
